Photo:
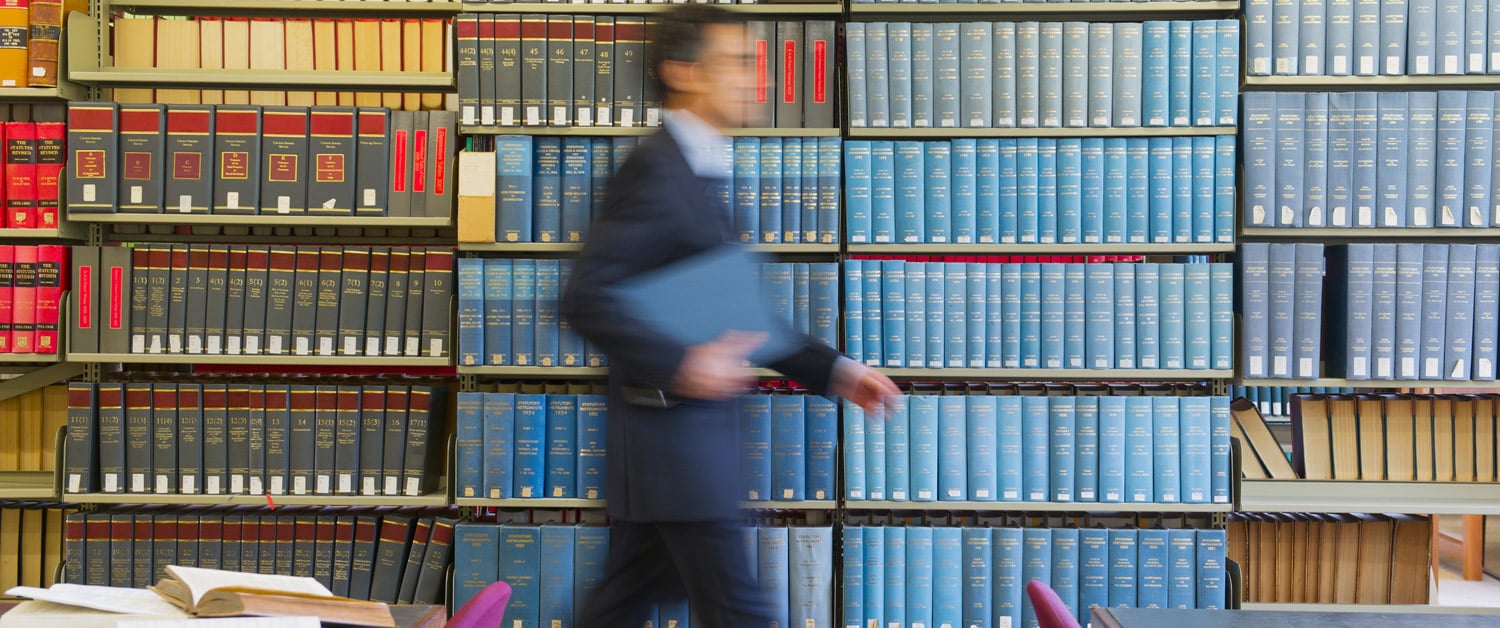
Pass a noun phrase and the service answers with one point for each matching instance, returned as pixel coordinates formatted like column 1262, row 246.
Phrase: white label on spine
column 560, row 116
column 283, row 204
column 237, row 484
column 1360, row 367
column 413, row 487
column 1408, row 367
column 136, row 193
column 189, row 484
column 1340, row 65
column 232, row 200
column 90, row 193
column 413, row 346
column 466, row 115
column 372, row 346
column 585, row 116
column 533, row 115
column 161, row 484
column 302, row 347
column 487, row 115
column 256, row 487
column 185, row 203
column 1367, row 65
column 325, row 346
column 325, row 485
column 1432, row 367
column 369, row 197
column 346, row 483
column 299, row 485
column 214, row 345
column 174, row 343
column 211, row 485
column 1393, row 65
column 390, row 484
column 252, row 345
column 1383, row 368
column 367, row 486
column 351, row 346
column 1450, row 64
column 138, row 483
column 195, row 344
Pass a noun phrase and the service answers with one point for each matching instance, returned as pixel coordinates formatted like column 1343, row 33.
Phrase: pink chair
column 1050, row 610
column 485, row 610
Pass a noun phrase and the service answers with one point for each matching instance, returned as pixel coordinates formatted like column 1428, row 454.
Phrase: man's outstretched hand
column 866, row 387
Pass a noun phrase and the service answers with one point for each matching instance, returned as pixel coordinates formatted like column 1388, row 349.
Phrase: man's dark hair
column 678, row 34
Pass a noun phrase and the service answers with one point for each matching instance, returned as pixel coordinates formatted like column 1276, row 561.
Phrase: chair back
column 485, row 610
column 1050, row 610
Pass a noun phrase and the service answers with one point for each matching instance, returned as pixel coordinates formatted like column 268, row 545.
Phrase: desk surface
column 1177, row 618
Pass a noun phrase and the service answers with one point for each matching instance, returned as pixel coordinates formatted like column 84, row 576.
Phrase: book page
column 224, row 622
column 201, row 581
column 32, row 613
column 110, row 599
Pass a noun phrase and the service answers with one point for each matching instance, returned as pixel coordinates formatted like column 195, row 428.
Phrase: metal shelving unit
column 949, row 133
column 829, row 9
column 28, row 485
column 636, row 131
column 1380, row 384
column 598, row 504
column 66, row 232
column 240, row 7
column 998, row 506
column 1042, row 8
column 1110, row 375
column 521, row 248
column 269, row 220
column 1370, row 83
column 1117, row 248
column 1363, row 233
column 285, row 361
column 560, row 372
column 1366, row 496
column 1404, row 609
column 439, row 498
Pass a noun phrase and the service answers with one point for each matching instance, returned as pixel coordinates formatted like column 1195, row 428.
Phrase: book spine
column 976, row 51
column 498, row 412
column 922, row 412
column 854, row 453
column 952, row 447
column 788, row 447
column 978, row 574
column 529, row 449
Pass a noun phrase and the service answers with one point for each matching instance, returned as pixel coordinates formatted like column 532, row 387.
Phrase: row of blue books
column 1276, row 401
column 1052, row 315
column 553, row 571
column 548, row 189
column 1043, row 74
column 785, row 190
column 1371, row 38
column 535, row 446
column 787, row 444
column 1281, row 310
column 1362, row 159
column 1068, row 190
column 1413, row 311
column 508, row 315
column 976, row 577
column 1041, row 449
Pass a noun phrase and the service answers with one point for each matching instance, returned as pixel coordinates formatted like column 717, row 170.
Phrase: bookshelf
column 1028, row 9
column 430, row 499
column 1374, row 384
column 1130, row 248
column 951, row 133
column 248, row 7
column 599, row 504
column 636, row 131
column 66, row 231
column 269, row 220
column 530, row 248
column 1371, row 83
column 285, row 361
column 1367, row 496
column 28, row 485
column 561, row 372
column 772, row 9
column 65, row 90
column 1382, row 234
column 1099, row 375
column 1029, row 507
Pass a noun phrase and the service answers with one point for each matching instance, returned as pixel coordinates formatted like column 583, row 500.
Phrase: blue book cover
column 895, row 575
column 1182, row 189
column 1125, row 318
column 1198, row 349
column 1009, row 185
column 828, row 189
column 853, row 583
column 1010, row 311
column 978, row 582
column 770, row 190
column 755, row 446
column 1434, row 304
column 1478, row 146
column 601, row 157
column 1255, row 308
column 1227, row 74
column 1065, row 567
column 1091, row 189
column 497, row 312
column 1115, row 185
column 1350, row 351
column 747, row 188
column 856, row 190
column 1140, row 450
column 1290, row 127
column 1486, row 310
column 1449, row 185
column 916, row 314
column 937, row 313
column 1166, row 443
column 823, row 301
column 590, row 551
column 1112, row 449
column 875, row 460
column 1063, row 415
column 1053, row 312
column 547, row 182
column 1311, row 35
column 1148, row 315
column 562, row 446
column 1137, row 190
column 792, row 200
column 1093, row 571
column 498, row 442
column 557, row 582
column 1028, row 74
column 811, row 195
column 1101, row 74
column 898, row 451
column 994, row 315
column 1366, row 157
column 514, row 188
column 1458, row 350
column 1221, row 315
column 947, row 576
column 1173, row 316
column 1340, row 38
column 1075, row 83
column 788, row 453
column 898, row 51
column 893, row 312
column 919, row 577
column 955, row 315
column 1159, row 197
column 856, row 75
column 1036, row 449
column 577, row 181
column 1219, row 449
column 1009, row 444
column 1151, row 568
column 1308, row 309
column 1128, row 42
column 822, row 435
column 1086, row 449
column 1450, row 37
column 937, row 189
column 854, row 452
column 1476, row 18
column 1122, row 568
column 1340, row 157
column 1203, row 189
column 1003, row 92
column 1391, row 135
column 1075, row 315
column 854, row 313
column 520, row 566
column 921, row 75
column 779, row 283
column 572, row 349
column 964, row 185
column 923, row 416
column 1099, row 350
column 1205, row 72
column 772, row 565
column 910, row 199
column 987, row 191
column 1182, row 585
column 1223, row 186
column 548, row 291
column 1180, row 73
column 953, row 466
column 1196, row 468
column 1258, row 37
column 1285, row 36
column 1037, row 563
column 1315, row 160
column 976, row 50
column 592, row 411
column 1069, row 190
column 1494, row 36
column 883, row 192
column 530, row 446
column 470, row 311
column 983, row 462
column 1046, row 176
column 474, row 559
column 874, row 284
column 946, row 65
column 469, row 444
column 1028, row 178
column 1421, row 37
column 1211, row 557
column 1050, row 76
column 877, row 75
column 1155, row 73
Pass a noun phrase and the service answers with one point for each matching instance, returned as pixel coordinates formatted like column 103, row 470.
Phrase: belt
column 648, row 397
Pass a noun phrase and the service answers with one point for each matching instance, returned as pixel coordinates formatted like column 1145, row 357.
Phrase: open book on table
column 217, row 593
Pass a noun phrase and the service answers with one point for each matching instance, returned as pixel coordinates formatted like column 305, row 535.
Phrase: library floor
column 1452, row 589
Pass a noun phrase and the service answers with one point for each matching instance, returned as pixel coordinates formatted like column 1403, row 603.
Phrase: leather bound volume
column 285, row 156
column 326, row 313
column 14, row 28
column 43, row 40
column 51, row 158
column 142, row 150
column 237, row 150
column 23, row 309
column 20, row 176
column 331, row 157
column 93, row 146
column 325, row 438
column 215, row 439
column 189, row 159
column 52, row 260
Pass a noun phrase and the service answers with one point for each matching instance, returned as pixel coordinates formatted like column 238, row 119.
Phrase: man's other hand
column 716, row 370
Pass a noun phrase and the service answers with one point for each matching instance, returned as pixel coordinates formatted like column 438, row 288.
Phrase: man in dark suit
column 673, row 449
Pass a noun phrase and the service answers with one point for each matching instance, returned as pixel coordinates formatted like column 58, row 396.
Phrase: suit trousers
column 708, row 563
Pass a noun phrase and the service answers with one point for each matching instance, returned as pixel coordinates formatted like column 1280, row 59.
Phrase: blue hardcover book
column 1315, row 160
column 1476, row 18
column 1260, row 188
column 1366, row 158
column 1115, row 184
column 964, row 189
column 1038, row 562
column 1009, row 446
column 856, row 190
column 919, row 576
column 953, row 466
column 1285, row 37
column 1028, row 74
column 770, row 190
column 823, row 301
column 808, row 186
column 1148, row 315
column 469, row 444
column 1099, row 349
column 1009, row 186
column 1128, row 52
column 910, row 199
column 557, row 581
column 1069, row 190
column 792, row 200
column 947, row 577
column 747, row 188
column 1063, row 415
column 1449, row 184
column 1458, row 350
column 898, row 451
column 875, row 460
column 936, row 188
column 895, row 575
column 1486, row 310
column 1421, row 37
column 976, row 50
column 921, row 75
column 1159, row 167
column 1282, row 313
column 1086, row 449
column 1123, row 563
column 874, row 312
column 1036, row 449
column 946, row 64
column 514, row 187
column 937, row 313
column 1140, row 450
column 877, row 75
column 756, row 434
column 1091, row 189
column 1205, row 72
column 854, row 313
column 1255, row 308
column 1181, row 565
column 1383, row 314
column 1180, row 73
column 1151, row 564
column 854, row 452
column 1010, row 321
column 470, row 311
column 1075, row 82
column 916, row 314
column 978, row 586
column 1212, row 565
column 592, row 411
column 1221, row 316
column 955, row 315
column 1290, row 127
column 1350, row 347
column 1392, row 157
column 1198, row 349
column 1450, row 36
column 1227, row 73
column 994, row 315
column 499, row 416
column 1031, row 315
column 1202, row 177
column 572, row 349
column 1434, row 300
column 1308, row 306
column 1478, row 146
column 977, row 312
column 1093, row 571
column 788, row 453
column 1075, row 315
column 562, row 446
column 982, row 450
column 1311, row 36
column 855, row 75
column 674, row 614
column 547, row 179
column 1028, row 180
column 1050, row 76
column 1155, row 73
column 497, row 312
column 827, row 174
column 923, row 416
column 530, row 446
column 1340, row 37
column 1368, row 33
column 547, row 328
column 1101, row 74
column 883, row 192
column 1046, row 208
column 1219, row 449
column 520, row 566
column 1137, row 190
column 601, row 157
column 1124, row 316
column 1195, row 468
column 1053, row 312
column 898, row 51
column 577, row 181
column 1112, row 452
column 590, row 551
column 987, row 191
column 893, row 311
column 1340, row 158
column 474, row 559
column 772, row 562
column 1224, row 191
column 1171, row 297
column 1259, row 15
column 854, row 577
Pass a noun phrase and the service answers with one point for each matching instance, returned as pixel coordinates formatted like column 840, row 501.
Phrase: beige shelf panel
column 256, row 360
column 1357, row 496
column 267, row 220
column 431, row 499
column 1041, row 249
column 997, row 506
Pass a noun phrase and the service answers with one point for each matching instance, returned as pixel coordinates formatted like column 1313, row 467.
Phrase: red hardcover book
column 7, row 296
column 51, row 283
column 419, row 160
column 20, row 175
column 51, row 158
column 23, row 308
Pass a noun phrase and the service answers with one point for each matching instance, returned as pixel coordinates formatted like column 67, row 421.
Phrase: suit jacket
column 678, row 463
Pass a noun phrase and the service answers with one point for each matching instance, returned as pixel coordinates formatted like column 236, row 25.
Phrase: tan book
column 1313, row 447
column 1312, row 531
column 299, row 57
column 1237, row 549
column 1297, row 567
column 211, row 54
column 1372, row 450
column 1484, row 438
column 1342, row 421
column 267, row 52
column 54, row 554
column 343, row 59
column 1266, row 555
column 10, row 550
column 135, row 46
column 217, row 593
column 33, row 540
column 435, row 51
column 1346, row 560
column 236, row 55
column 55, row 418
column 1423, row 432
column 1463, row 439
column 325, row 56
column 366, row 43
column 177, row 49
column 1400, row 442
column 31, row 432
column 10, row 435
column 1286, row 558
column 1374, row 569
column 1261, row 440
column 411, row 59
column 1411, row 559
column 390, row 57
column 1327, row 559
column 1250, row 465
column 1442, row 439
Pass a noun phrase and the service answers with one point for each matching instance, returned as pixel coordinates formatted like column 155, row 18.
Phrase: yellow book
column 1372, row 447
column 135, row 46
column 411, row 59
column 211, row 54
column 299, row 56
column 1250, row 466
column 435, row 51
column 1373, row 575
column 344, row 60
column 325, row 56
column 10, row 547
column 1411, row 559
column 1484, row 439
column 236, row 55
column 32, row 544
column 267, row 52
column 55, row 411
column 15, row 21
column 390, row 57
column 177, row 49
column 1400, row 442
column 1463, row 439
column 30, row 440
column 1442, row 439
column 367, row 57
column 1310, row 427
column 1422, row 428
column 10, row 435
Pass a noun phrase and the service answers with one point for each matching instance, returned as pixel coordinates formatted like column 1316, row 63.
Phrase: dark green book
column 302, row 438
column 187, row 539
column 140, row 439
column 415, row 552
column 215, row 439
column 355, row 277
column 195, row 323
column 164, row 436
column 218, row 283
column 159, row 282
column 416, row 293
column 178, row 271
column 141, row 543
column 371, row 438
column 375, row 289
column 437, row 303
column 305, row 300
column 190, row 439
column 257, row 441
column 343, row 553
column 346, row 442
column 260, row 298
column 362, row 557
column 164, row 544
column 330, row 287
column 435, row 562
column 211, row 541
column 390, row 558
column 94, row 437
column 325, row 436
column 278, row 436
column 323, row 548
column 286, row 545
column 422, row 464
column 232, row 558
column 304, row 545
column 393, row 460
column 237, row 437
column 395, row 300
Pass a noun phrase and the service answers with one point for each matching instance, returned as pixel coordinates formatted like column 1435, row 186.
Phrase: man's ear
column 679, row 76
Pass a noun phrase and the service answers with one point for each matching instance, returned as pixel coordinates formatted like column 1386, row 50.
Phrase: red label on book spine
column 760, row 71
column 419, row 160
column 116, row 297
column 85, row 294
column 789, row 76
column 820, row 75
column 400, row 162
column 440, row 167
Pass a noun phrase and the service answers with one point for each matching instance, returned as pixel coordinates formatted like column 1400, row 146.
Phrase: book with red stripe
column 51, row 158
column 20, row 175
column 51, row 282
column 7, row 296
column 23, row 309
